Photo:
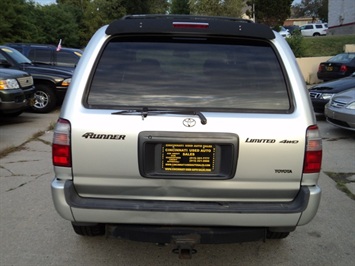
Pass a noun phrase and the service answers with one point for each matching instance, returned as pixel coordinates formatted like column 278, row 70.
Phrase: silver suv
column 186, row 130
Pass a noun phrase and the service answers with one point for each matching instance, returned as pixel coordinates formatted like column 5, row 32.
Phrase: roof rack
column 189, row 17
column 189, row 25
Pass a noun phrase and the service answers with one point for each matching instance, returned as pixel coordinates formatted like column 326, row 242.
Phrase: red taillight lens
column 313, row 156
column 190, row 25
column 61, row 150
column 320, row 68
column 343, row 68
column 61, row 155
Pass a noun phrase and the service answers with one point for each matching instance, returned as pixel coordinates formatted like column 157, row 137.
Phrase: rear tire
column 89, row 230
column 14, row 114
column 276, row 235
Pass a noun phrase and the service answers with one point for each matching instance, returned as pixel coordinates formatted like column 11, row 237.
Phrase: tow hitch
column 184, row 245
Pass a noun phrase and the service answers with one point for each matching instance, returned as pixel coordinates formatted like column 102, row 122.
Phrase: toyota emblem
column 189, row 122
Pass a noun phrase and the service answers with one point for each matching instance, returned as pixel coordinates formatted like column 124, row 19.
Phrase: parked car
column 292, row 29
column 339, row 66
column 321, row 93
column 340, row 110
column 284, row 32
column 16, row 91
column 49, row 55
column 314, row 29
column 165, row 134
column 51, row 84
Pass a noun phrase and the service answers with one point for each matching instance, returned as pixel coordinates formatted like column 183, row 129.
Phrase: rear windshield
column 184, row 73
column 342, row 58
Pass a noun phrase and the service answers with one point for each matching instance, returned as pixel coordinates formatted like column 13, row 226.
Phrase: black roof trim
column 189, row 17
column 163, row 24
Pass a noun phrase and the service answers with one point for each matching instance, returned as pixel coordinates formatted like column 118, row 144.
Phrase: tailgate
column 231, row 158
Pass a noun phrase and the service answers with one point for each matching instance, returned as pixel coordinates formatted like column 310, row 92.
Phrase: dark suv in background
column 49, row 55
column 16, row 92
column 51, row 83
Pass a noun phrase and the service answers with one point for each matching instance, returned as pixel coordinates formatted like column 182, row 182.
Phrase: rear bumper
column 331, row 75
column 250, row 214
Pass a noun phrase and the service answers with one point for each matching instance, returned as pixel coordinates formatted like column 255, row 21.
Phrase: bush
column 295, row 42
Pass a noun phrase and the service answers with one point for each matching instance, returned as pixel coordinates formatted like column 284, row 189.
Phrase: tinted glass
column 186, row 74
column 16, row 55
column 67, row 58
column 342, row 58
column 40, row 55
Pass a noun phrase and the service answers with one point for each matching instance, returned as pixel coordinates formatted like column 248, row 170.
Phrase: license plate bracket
column 187, row 155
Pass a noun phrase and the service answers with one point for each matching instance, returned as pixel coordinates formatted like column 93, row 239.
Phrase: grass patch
column 35, row 136
column 341, row 181
column 11, row 149
column 325, row 45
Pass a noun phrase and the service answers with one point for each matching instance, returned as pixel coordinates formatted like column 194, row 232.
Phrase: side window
column 319, row 26
column 308, row 27
column 2, row 58
column 67, row 59
column 42, row 56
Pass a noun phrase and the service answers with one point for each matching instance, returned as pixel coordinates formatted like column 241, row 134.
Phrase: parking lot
column 32, row 233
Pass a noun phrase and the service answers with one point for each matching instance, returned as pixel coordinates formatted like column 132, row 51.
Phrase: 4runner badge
column 189, row 122
column 92, row 135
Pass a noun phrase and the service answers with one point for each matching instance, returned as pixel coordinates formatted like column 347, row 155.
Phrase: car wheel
column 276, row 235
column 316, row 34
column 89, row 230
column 44, row 99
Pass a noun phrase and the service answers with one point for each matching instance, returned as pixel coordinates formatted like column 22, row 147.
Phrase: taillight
column 313, row 155
column 61, row 151
column 190, row 25
column 320, row 68
column 343, row 68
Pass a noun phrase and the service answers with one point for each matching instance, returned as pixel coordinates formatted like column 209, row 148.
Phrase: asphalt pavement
column 32, row 233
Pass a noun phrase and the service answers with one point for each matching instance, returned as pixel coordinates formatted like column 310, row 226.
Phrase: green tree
column 136, row 6
column 145, row 6
column 73, row 21
column 17, row 21
column 59, row 22
column 232, row 8
column 180, row 7
column 271, row 12
column 158, row 7
column 318, row 9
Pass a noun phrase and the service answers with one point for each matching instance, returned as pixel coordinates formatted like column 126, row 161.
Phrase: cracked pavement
column 32, row 233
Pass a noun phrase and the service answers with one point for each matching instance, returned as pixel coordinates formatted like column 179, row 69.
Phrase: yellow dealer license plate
column 188, row 157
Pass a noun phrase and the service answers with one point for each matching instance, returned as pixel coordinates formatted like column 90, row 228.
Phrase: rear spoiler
column 185, row 24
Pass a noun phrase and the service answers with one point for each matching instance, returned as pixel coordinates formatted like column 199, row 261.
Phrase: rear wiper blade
column 41, row 63
column 144, row 112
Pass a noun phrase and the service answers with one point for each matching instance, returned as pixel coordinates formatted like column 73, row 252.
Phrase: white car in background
column 314, row 29
column 284, row 32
